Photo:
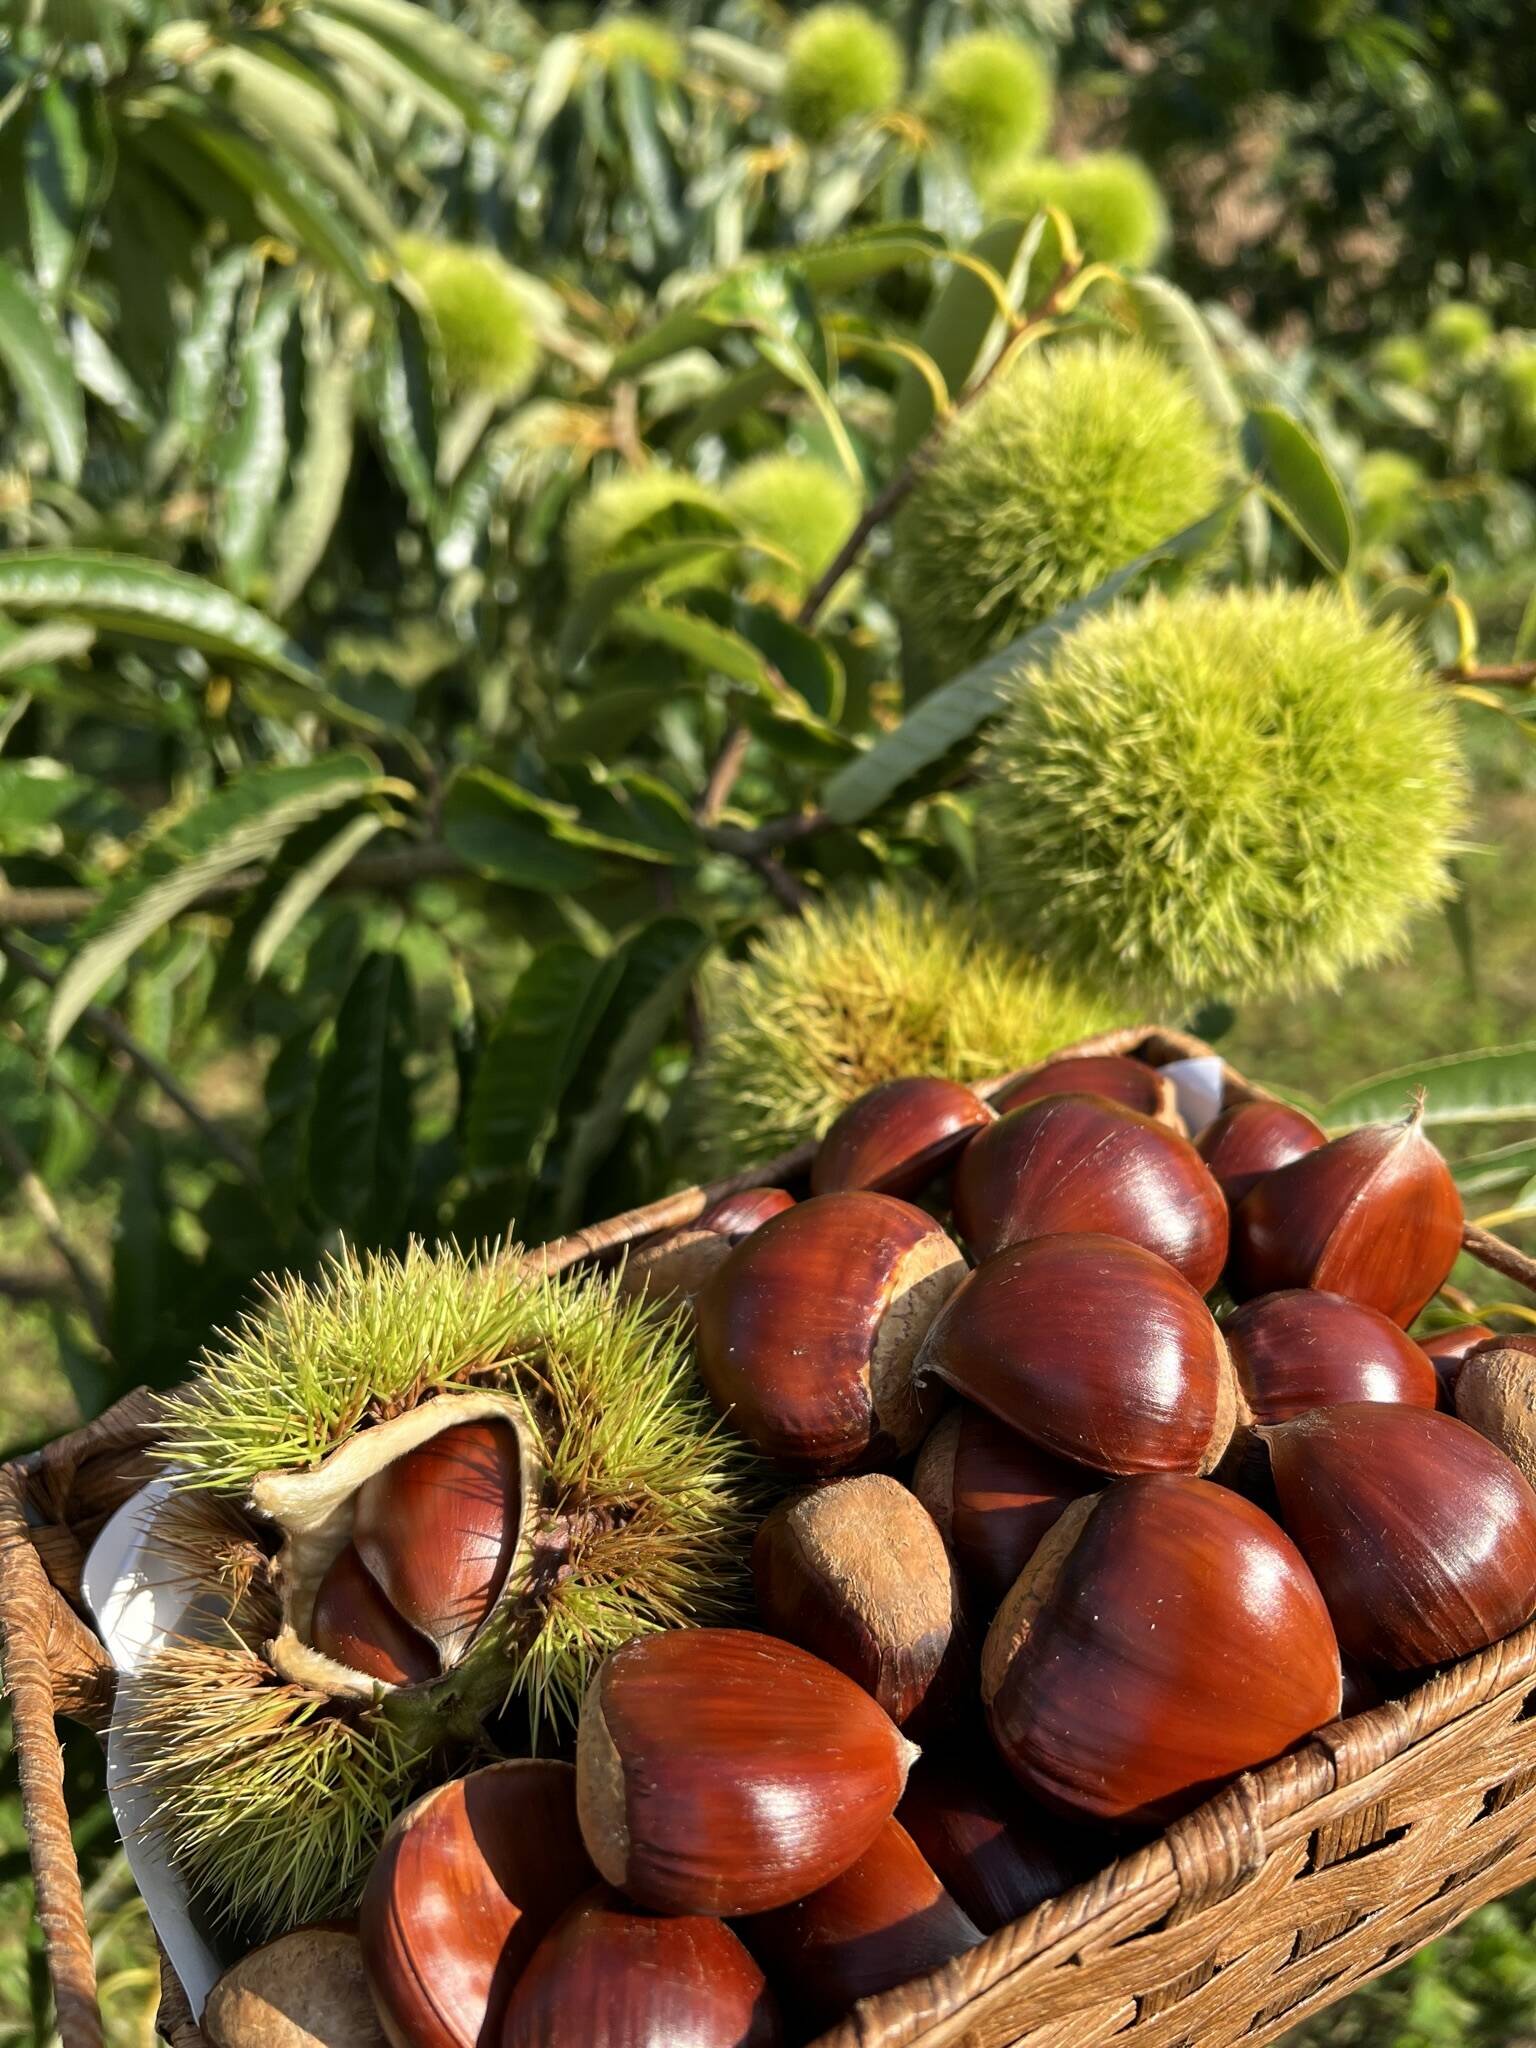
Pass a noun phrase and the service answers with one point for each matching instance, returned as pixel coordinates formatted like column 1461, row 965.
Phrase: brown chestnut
column 737, row 1216
column 1496, row 1395
column 996, row 1854
column 437, row 1529
column 897, row 1137
column 807, row 1332
column 992, row 1494
column 1252, row 1138
column 1421, row 1534
column 468, row 1882
column 1110, row 1074
column 1081, row 1163
column 610, row 1976
column 883, row 1920
column 674, row 1268
column 1302, row 1349
column 306, row 1989
column 1447, row 1349
column 354, row 1623
column 721, row 1771
column 1094, row 1349
column 857, row 1573
column 1374, row 1215
column 1165, row 1635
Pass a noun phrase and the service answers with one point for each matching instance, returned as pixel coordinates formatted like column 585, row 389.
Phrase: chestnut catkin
column 992, row 1495
column 857, row 1573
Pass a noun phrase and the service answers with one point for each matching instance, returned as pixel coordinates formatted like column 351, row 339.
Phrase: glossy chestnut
column 1447, row 1349
column 896, row 1138
column 437, row 1529
column 1374, row 1215
column 608, row 1975
column 857, row 1573
column 1165, row 1635
column 997, row 1855
column 467, row 1884
column 1302, row 1349
column 1251, row 1139
column 353, row 1623
column 1421, row 1534
column 807, row 1331
column 1093, row 1348
column 992, row 1495
column 722, row 1771
column 885, row 1919
column 737, row 1216
column 1081, row 1163
column 1113, row 1075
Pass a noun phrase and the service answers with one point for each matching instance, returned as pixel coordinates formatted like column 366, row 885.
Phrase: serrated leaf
column 239, row 826
column 304, row 888
column 1300, row 485
column 253, row 461
column 405, row 401
column 868, row 253
column 360, row 1149
column 1494, row 1085
column 536, row 1046
column 442, row 55
column 953, row 713
column 320, row 474
column 37, row 361
column 122, row 594
column 1504, row 1166
column 509, row 835
column 655, row 967
column 637, row 567
column 203, row 356
column 961, row 322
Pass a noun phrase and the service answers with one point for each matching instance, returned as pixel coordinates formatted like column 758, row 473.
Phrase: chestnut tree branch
column 1510, row 675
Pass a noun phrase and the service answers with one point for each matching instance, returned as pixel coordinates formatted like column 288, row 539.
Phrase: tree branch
column 106, row 1024
column 1511, row 675
column 34, row 1192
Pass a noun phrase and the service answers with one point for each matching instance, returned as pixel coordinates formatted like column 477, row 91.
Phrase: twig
column 885, row 502
column 1512, row 675
column 791, row 893
column 34, row 1283
column 1500, row 1257
column 111, row 1027
column 722, row 777
column 747, row 845
column 34, row 1192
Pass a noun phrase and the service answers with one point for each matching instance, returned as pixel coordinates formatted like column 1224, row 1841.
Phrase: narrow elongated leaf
column 34, row 356
column 1494, row 1085
column 453, row 63
column 203, row 357
column 119, row 593
column 554, row 76
column 305, row 886
column 233, row 829
column 601, row 597
column 360, row 1129
column 650, row 161
column 528, row 1061
column 953, row 713
column 252, row 464
column 38, row 645
column 760, row 70
column 509, row 835
column 1505, row 1166
column 373, row 78
column 962, row 323
column 1300, row 485
column 320, row 475
column 58, row 182
column 868, row 253
column 405, row 402
column 655, row 966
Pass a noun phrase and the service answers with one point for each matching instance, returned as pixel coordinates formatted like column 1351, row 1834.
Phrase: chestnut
column 1250, row 1139
column 997, row 1855
column 807, row 1331
column 306, row 1989
column 674, row 1268
column 610, row 1976
column 1447, row 1349
column 897, row 1137
column 468, row 1882
column 883, row 1920
column 1421, row 1534
column 992, row 1494
column 721, row 1771
column 1374, row 1215
column 437, row 1528
column 1496, row 1394
column 1302, row 1349
column 737, row 1216
column 353, row 1623
column 1165, row 1635
column 1094, row 1349
column 857, row 1573
column 1081, row 1163
column 1110, row 1074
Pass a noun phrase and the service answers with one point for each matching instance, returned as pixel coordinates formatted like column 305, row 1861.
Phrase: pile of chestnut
column 1091, row 1548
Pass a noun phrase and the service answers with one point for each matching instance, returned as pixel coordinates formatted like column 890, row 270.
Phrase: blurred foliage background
column 471, row 481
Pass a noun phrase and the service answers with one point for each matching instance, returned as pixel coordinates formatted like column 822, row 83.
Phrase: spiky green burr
column 483, row 312
column 1112, row 199
column 841, row 65
column 989, row 95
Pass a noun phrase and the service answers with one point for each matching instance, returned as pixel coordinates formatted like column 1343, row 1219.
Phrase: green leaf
column 868, row 253
column 121, row 594
column 405, row 392
column 203, row 357
column 1504, row 1166
column 305, row 886
column 559, row 67
column 58, row 181
column 239, row 826
column 650, row 162
column 655, row 966
column 509, row 835
column 1300, row 485
column 714, row 647
column 1495, row 1085
column 610, row 721
column 37, row 361
column 33, row 794
column 595, row 606
column 1525, row 638
column 320, row 474
column 453, row 63
column 961, row 321
column 254, row 461
column 952, row 714
column 528, row 1061
column 360, row 1152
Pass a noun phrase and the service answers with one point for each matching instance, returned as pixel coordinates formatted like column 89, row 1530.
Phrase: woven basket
column 1290, row 1887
